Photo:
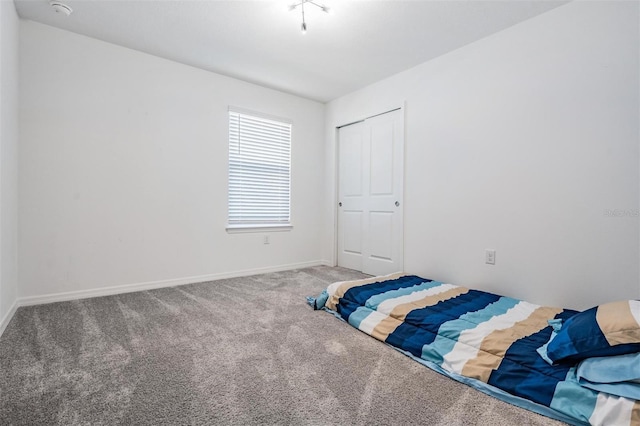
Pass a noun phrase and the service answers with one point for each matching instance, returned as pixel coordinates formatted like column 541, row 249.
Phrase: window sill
column 238, row 229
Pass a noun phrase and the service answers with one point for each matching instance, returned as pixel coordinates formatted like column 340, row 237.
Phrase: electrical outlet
column 266, row 239
column 490, row 257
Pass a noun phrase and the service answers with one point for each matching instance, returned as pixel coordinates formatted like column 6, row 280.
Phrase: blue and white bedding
column 485, row 340
column 615, row 375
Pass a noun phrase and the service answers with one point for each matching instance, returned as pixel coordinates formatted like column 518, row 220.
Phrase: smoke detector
column 61, row 8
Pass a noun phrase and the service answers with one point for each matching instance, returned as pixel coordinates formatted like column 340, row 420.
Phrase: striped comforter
column 482, row 339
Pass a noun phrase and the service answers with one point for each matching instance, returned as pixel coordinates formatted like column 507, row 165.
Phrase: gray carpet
column 241, row 351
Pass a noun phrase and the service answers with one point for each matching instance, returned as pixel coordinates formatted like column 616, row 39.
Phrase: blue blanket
column 482, row 339
column 615, row 375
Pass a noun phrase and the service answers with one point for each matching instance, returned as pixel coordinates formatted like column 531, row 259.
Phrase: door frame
column 336, row 158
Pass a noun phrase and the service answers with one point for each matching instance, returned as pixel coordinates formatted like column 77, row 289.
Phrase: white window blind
column 259, row 171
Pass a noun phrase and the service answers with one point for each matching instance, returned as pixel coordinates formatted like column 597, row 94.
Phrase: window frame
column 257, row 227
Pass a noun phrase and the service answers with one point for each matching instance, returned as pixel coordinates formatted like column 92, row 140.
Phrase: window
column 259, row 172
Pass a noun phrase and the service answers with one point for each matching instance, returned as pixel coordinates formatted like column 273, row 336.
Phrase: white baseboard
column 129, row 288
column 7, row 318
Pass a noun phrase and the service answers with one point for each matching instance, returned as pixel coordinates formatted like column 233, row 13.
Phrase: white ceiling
column 261, row 42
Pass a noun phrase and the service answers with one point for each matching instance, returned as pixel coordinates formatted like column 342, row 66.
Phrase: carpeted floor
column 240, row 351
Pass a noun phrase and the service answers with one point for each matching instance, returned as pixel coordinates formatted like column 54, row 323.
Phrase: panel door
column 351, row 195
column 372, row 220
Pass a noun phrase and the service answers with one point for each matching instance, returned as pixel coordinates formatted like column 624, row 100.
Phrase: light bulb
column 303, row 28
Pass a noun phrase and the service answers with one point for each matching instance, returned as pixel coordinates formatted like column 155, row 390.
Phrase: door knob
column 340, row 204
column 397, row 203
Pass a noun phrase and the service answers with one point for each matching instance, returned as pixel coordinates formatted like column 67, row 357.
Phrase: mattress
column 482, row 339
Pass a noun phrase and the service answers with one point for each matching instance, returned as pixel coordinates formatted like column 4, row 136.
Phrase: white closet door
column 370, row 185
column 351, row 195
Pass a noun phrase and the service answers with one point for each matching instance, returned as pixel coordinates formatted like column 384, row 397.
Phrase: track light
column 301, row 3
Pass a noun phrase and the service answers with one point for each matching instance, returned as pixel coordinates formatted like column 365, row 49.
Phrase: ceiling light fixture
column 301, row 3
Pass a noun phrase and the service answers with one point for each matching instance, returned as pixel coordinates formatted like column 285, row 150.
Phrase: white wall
column 519, row 142
column 8, row 160
column 123, row 170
